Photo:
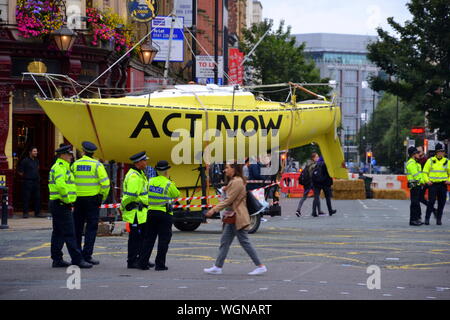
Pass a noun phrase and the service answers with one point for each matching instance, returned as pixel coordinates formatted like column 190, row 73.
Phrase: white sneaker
column 213, row 270
column 257, row 271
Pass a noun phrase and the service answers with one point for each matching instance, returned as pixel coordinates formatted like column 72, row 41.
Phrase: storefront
column 23, row 124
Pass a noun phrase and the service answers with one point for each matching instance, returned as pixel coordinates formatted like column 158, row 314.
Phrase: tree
column 381, row 132
column 417, row 62
column 278, row 59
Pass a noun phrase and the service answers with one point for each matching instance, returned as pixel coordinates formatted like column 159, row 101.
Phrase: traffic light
column 369, row 156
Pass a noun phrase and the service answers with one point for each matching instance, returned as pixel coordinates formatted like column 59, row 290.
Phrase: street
column 307, row 258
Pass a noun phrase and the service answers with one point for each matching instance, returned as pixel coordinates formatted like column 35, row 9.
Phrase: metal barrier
column 4, row 224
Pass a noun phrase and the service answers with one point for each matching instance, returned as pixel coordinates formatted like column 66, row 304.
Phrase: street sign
column 205, row 69
column 2, row 181
column 183, row 8
column 161, row 35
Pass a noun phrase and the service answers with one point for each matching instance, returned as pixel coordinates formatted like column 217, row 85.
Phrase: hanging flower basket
column 36, row 18
column 104, row 27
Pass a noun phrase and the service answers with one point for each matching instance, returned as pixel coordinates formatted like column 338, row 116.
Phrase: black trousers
column 327, row 193
column 414, row 208
column 87, row 213
column 158, row 225
column 31, row 192
column 135, row 240
column 437, row 191
column 63, row 232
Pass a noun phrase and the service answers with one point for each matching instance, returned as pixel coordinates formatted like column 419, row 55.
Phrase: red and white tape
column 117, row 205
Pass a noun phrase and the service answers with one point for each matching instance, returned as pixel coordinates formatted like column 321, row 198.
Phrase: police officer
column 414, row 175
column 93, row 186
column 437, row 176
column 159, row 223
column 134, row 206
column 63, row 194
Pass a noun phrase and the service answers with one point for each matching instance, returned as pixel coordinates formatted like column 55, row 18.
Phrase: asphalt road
column 308, row 258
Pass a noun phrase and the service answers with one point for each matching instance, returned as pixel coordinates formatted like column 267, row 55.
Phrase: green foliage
column 381, row 132
column 278, row 59
column 417, row 62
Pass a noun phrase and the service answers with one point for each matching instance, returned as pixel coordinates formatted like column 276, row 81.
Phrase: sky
column 336, row 16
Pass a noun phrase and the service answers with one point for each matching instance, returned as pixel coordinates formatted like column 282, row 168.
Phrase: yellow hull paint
column 124, row 126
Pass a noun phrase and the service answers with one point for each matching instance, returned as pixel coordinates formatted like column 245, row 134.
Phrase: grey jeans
column 229, row 232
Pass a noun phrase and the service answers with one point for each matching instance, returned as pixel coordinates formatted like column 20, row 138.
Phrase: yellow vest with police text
column 436, row 170
column 161, row 191
column 135, row 189
column 61, row 182
column 91, row 178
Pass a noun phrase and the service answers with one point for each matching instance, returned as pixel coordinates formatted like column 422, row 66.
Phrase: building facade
column 343, row 58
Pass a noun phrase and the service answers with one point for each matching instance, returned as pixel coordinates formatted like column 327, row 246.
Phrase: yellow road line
column 44, row 245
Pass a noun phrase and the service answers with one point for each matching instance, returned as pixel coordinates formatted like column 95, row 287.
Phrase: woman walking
column 236, row 201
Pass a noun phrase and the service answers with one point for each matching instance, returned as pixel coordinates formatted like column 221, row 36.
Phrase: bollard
column 4, row 224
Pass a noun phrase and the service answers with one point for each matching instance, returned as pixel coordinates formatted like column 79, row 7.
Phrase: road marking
column 392, row 259
column 44, row 245
column 303, row 290
column 182, row 287
column 143, row 286
column 430, row 297
column 263, row 289
column 344, row 293
column 401, row 288
column 387, row 295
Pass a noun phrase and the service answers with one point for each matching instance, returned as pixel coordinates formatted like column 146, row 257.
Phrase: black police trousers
column 158, row 225
column 31, row 192
column 135, row 239
column 87, row 213
column 63, row 232
column 436, row 191
column 414, row 208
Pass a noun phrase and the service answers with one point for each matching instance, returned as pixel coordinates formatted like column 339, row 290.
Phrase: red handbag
column 229, row 219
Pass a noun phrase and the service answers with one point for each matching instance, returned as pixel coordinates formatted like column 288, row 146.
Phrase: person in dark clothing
column 254, row 173
column 307, row 183
column 321, row 180
column 29, row 170
column 422, row 160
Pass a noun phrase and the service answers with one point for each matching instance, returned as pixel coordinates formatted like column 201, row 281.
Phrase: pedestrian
column 161, row 191
column 63, row 195
column 321, row 180
column 31, row 190
column 134, row 206
column 415, row 180
column 305, row 180
column 254, row 174
column 93, row 186
column 437, row 176
column 424, row 187
column 236, row 196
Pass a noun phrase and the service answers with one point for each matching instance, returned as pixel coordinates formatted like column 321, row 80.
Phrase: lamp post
column 64, row 38
column 147, row 53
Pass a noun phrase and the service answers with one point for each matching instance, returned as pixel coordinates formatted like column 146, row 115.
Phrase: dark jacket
column 327, row 180
column 30, row 168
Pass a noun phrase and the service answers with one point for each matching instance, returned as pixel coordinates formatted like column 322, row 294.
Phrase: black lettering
column 222, row 120
column 255, row 126
column 145, row 123
column 270, row 124
column 166, row 130
column 193, row 117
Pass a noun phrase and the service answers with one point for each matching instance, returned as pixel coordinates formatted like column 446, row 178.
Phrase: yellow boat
column 124, row 126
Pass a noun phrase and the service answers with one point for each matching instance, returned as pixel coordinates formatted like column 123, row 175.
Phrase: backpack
column 318, row 175
column 305, row 177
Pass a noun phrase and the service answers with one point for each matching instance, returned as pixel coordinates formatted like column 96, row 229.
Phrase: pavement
column 367, row 251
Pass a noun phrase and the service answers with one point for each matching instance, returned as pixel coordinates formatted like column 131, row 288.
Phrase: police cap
column 139, row 157
column 88, row 146
column 162, row 165
column 64, row 149
column 439, row 148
